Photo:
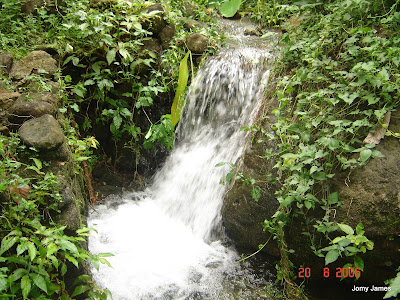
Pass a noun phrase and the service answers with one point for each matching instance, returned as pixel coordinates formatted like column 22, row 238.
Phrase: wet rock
column 7, row 99
column 197, row 43
column 151, row 47
column 372, row 194
column 104, row 176
column 254, row 31
column 30, row 6
column 4, row 130
column 107, row 190
column 190, row 8
column 43, row 133
column 167, row 34
column 36, row 61
column 6, row 61
column 156, row 22
column 70, row 215
column 190, row 24
column 42, row 88
column 242, row 216
column 61, row 153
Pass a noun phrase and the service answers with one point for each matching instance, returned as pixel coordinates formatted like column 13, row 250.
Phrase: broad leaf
column 67, row 245
column 39, row 281
column 346, row 228
column 80, row 290
column 179, row 99
column 25, row 286
column 331, row 256
column 365, row 154
column 256, row 193
column 394, row 288
column 7, row 243
column 229, row 8
column 111, row 55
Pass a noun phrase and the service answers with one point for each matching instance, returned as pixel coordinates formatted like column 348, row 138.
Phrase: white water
column 167, row 239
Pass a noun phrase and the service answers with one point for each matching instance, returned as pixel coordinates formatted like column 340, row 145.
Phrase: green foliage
column 336, row 78
column 350, row 245
column 108, row 43
column 394, row 285
column 234, row 175
column 163, row 132
column 179, row 99
column 229, row 8
column 36, row 253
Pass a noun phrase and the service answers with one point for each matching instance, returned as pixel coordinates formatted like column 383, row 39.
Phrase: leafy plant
column 229, row 8
column 36, row 253
column 336, row 79
column 350, row 245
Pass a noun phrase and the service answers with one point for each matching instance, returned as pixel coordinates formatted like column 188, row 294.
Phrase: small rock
column 197, row 43
column 4, row 130
column 6, row 61
column 192, row 24
column 151, row 45
column 33, row 109
column 36, row 60
column 30, row 6
column 43, row 133
column 190, row 8
column 256, row 31
column 156, row 23
column 167, row 34
column 39, row 97
column 7, row 99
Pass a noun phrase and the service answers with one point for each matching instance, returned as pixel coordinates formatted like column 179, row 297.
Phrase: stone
column 152, row 45
column 30, row 6
column 33, row 109
column 60, row 154
column 197, row 43
column 7, row 99
column 47, row 97
column 6, row 61
column 242, row 216
column 167, row 34
column 156, row 22
column 254, row 31
column 190, row 8
column 34, row 61
column 190, row 24
column 44, row 133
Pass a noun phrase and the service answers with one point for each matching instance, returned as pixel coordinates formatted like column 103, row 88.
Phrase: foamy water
column 167, row 239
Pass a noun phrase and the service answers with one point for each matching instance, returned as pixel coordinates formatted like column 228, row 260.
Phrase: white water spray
column 166, row 240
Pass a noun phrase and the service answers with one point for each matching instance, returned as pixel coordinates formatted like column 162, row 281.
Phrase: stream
column 167, row 240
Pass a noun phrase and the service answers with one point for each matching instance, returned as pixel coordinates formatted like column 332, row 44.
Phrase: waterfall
column 167, row 240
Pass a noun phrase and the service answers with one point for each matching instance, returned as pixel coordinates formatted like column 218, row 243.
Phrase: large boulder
column 44, row 133
column 242, row 216
column 35, row 61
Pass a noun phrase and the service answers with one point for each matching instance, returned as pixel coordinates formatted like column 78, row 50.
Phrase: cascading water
column 167, row 239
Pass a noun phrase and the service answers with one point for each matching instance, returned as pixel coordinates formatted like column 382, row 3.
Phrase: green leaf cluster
column 36, row 253
column 335, row 79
